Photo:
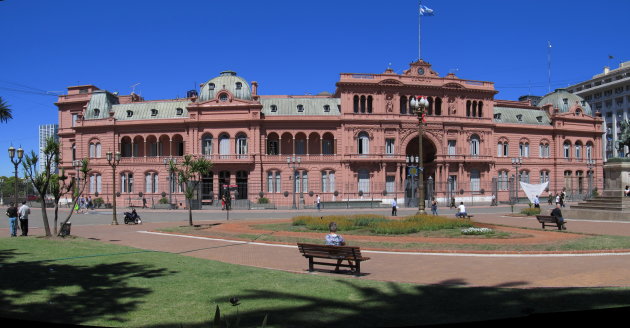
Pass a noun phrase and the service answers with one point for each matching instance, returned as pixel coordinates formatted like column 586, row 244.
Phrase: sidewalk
column 498, row 270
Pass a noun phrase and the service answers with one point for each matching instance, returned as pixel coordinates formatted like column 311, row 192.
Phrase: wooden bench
column 550, row 220
column 467, row 216
column 337, row 253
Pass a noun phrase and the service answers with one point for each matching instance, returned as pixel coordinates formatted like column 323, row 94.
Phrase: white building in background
column 46, row 131
column 609, row 94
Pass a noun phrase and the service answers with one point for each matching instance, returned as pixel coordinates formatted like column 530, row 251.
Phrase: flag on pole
column 610, row 57
column 425, row 11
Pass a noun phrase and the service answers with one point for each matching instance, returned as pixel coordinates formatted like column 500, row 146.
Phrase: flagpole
column 549, row 66
column 419, row 30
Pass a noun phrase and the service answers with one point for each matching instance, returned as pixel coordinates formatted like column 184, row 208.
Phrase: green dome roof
column 564, row 100
column 227, row 80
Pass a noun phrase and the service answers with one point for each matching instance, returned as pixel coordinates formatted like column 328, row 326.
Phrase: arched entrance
column 411, row 177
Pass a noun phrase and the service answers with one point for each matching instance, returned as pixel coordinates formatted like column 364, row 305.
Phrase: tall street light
column 418, row 105
column 590, row 164
column 517, row 162
column 20, row 153
column 77, row 164
column 113, row 161
column 167, row 164
column 293, row 162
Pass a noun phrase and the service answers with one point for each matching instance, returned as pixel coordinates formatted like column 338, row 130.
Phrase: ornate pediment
column 454, row 86
column 390, row 82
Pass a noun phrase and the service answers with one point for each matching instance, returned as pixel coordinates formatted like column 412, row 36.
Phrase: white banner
column 533, row 190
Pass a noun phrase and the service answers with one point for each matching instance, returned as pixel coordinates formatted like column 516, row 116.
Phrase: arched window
column 300, row 108
column 241, row 144
column 97, row 112
column 503, row 149
column 151, row 182
column 524, row 176
column 544, row 176
column 274, row 108
column 126, row 182
column 362, row 104
column 474, row 145
column 468, row 108
column 543, row 150
column 589, row 150
column 224, row 144
column 273, row 181
column 356, row 104
column 95, row 183
column 480, row 109
column 328, row 181
column 438, row 106
column 502, row 180
column 363, row 181
column 403, row 104
column 206, row 145
column 523, row 149
column 567, row 149
column 301, row 181
column 369, row 104
column 363, row 143
column 578, row 151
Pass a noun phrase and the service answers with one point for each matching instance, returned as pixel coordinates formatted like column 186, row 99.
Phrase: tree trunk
column 190, row 222
column 45, row 215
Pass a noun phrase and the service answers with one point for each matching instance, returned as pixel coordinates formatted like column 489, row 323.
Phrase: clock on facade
column 421, row 71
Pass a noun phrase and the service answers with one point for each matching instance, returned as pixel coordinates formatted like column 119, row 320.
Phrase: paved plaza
column 576, row 269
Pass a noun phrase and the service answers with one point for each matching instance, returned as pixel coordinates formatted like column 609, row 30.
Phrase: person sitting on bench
column 334, row 239
column 558, row 214
column 461, row 212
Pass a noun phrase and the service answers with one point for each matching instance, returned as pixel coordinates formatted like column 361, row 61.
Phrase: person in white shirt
column 461, row 212
column 23, row 213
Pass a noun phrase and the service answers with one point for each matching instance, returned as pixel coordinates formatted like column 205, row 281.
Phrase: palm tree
column 5, row 111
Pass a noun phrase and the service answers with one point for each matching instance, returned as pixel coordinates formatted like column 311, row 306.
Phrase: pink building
column 353, row 145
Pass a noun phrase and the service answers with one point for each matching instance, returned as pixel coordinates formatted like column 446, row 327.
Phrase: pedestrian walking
column 23, row 213
column 12, row 213
column 434, row 207
column 318, row 202
column 536, row 202
column 394, row 207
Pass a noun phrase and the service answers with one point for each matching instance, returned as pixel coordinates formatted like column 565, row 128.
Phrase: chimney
column 254, row 88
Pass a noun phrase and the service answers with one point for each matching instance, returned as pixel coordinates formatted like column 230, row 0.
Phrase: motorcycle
column 132, row 217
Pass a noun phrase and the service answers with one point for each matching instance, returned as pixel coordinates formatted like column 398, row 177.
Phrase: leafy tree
column 190, row 173
column 5, row 111
column 46, row 182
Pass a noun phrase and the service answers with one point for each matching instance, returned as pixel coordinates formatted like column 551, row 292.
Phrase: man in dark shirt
column 12, row 213
column 558, row 214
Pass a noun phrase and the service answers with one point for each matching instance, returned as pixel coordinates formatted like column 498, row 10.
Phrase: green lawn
column 91, row 283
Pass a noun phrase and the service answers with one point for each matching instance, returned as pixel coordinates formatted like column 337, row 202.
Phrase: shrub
column 263, row 200
column 344, row 222
column 531, row 211
column 163, row 200
column 418, row 223
column 98, row 202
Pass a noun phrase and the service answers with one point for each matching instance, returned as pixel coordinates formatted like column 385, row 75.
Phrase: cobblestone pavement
column 469, row 269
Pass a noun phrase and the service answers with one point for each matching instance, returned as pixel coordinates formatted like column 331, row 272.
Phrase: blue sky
column 289, row 47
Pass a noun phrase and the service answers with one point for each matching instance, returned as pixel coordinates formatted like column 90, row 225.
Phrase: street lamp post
column 167, row 163
column 418, row 105
column 1, row 187
column 590, row 164
column 516, row 162
column 20, row 153
column 113, row 160
column 412, row 162
column 77, row 165
column 293, row 162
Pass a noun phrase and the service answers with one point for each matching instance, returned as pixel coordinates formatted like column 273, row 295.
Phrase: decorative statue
column 624, row 138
